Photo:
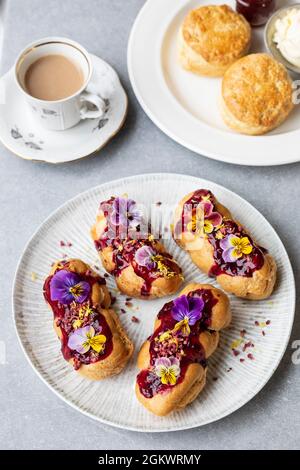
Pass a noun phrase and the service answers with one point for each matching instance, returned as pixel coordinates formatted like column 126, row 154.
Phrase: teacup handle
column 96, row 100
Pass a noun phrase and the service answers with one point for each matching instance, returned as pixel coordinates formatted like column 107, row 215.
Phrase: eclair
column 222, row 248
column 173, row 360
column 139, row 263
column 92, row 338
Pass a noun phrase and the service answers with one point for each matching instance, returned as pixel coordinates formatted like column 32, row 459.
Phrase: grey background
column 31, row 416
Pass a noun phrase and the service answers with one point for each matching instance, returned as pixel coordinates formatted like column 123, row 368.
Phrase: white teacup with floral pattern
column 86, row 103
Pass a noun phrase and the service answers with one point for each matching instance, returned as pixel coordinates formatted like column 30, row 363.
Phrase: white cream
column 287, row 36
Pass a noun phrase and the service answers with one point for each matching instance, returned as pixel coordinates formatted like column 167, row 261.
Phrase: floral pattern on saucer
column 16, row 134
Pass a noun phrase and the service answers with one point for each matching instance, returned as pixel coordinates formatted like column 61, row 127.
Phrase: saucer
column 25, row 137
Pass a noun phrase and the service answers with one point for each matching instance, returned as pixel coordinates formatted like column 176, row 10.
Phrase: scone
column 91, row 335
column 222, row 248
column 212, row 38
column 256, row 95
column 140, row 264
column 173, row 360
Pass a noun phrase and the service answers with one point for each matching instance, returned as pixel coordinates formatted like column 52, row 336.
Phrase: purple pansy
column 211, row 218
column 188, row 309
column 144, row 256
column 205, row 219
column 125, row 213
column 66, row 286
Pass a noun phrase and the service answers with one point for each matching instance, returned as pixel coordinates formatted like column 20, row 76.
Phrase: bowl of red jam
column 256, row 12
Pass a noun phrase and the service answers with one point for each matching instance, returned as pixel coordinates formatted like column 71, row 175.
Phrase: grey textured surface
column 32, row 416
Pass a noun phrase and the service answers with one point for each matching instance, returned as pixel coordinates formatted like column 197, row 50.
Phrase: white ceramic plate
column 24, row 136
column 113, row 401
column 185, row 105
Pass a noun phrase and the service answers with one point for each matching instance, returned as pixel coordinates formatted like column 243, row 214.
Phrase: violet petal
column 180, row 308
column 143, row 257
column 78, row 339
column 60, row 285
column 215, row 218
column 227, row 255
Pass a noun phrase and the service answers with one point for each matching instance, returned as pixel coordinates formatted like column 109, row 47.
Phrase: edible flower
column 125, row 213
column 187, row 311
column 146, row 256
column 168, row 369
column 66, row 287
column 165, row 336
column 205, row 219
column 82, row 339
column 235, row 247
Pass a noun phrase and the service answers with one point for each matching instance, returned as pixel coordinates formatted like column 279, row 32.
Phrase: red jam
column 124, row 250
column 244, row 266
column 187, row 349
column 65, row 315
column 256, row 12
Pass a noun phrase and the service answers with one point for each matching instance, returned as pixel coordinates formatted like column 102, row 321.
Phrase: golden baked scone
column 256, row 95
column 173, row 361
column 211, row 38
column 222, row 248
column 140, row 264
column 92, row 337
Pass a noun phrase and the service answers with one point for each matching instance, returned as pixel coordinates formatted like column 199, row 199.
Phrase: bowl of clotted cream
column 282, row 36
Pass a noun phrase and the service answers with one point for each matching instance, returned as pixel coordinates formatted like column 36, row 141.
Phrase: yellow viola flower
column 97, row 342
column 82, row 339
column 168, row 369
column 235, row 247
column 205, row 220
column 197, row 223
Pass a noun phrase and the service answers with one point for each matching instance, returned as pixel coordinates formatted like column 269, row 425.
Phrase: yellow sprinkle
column 33, row 276
column 219, row 235
column 77, row 324
column 236, row 343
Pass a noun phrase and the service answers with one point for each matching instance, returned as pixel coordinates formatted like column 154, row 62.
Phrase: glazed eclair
column 222, row 248
column 140, row 264
column 173, row 360
column 92, row 338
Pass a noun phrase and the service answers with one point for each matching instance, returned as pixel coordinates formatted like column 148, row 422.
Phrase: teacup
column 60, row 114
